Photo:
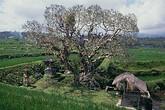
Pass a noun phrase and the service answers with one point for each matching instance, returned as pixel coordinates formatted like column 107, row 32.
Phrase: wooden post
column 138, row 101
column 127, row 86
column 26, row 77
column 124, row 91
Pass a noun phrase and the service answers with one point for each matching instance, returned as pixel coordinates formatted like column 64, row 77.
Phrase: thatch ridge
column 130, row 78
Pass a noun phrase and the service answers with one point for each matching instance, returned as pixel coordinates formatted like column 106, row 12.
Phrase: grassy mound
column 16, row 98
column 67, row 87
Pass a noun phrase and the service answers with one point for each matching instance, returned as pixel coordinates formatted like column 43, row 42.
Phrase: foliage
column 156, row 85
column 14, row 74
column 89, row 32
column 146, row 63
column 152, row 72
column 103, row 82
column 163, row 106
column 143, row 65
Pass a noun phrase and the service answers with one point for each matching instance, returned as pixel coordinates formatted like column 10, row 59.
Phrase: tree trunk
column 66, row 57
column 76, row 74
column 65, row 65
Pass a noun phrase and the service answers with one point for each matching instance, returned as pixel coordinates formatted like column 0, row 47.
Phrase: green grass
column 66, row 87
column 144, row 65
column 10, row 47
column 144, row 58
column 17, row 51
column 151, row 78
column 105, row 63
column 78, row 97
column 16, row 61
column 148, row 54
column 17, row 98
column 163, row 106
column 140, row 54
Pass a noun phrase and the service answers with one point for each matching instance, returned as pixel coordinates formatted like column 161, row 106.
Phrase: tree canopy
column 92, row 33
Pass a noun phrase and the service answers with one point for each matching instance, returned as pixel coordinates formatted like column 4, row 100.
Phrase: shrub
column 155, row 86
column 14, row 75
column 102, row 81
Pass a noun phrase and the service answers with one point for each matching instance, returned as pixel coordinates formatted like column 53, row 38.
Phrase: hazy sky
column 150, row 13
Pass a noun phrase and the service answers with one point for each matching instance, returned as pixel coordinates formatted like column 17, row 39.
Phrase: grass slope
column 16, row 98
column 66, row 87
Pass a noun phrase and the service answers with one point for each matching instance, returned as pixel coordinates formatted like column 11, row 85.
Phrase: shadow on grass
column 80, row 91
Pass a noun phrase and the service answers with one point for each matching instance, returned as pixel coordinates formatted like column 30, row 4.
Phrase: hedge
column 14, row 74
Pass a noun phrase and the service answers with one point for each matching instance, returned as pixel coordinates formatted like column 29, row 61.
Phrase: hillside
column 19, row 98
column 10, row 35
column 146, row 63
column 152, row 42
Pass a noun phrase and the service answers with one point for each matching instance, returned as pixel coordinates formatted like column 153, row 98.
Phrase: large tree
column 92, row 33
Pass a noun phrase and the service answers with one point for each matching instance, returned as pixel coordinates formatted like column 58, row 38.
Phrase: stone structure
column 49, row 66
column 26, row 77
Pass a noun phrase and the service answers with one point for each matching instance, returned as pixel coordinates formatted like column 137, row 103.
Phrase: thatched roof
column 130, row 78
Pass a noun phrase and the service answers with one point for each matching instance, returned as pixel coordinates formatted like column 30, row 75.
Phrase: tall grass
column 16, row 98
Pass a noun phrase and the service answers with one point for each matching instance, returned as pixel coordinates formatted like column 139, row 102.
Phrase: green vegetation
column 144, row 68
column 148, row 54
column 81, row 92
column 17, row 98
column 148, row 65
column 13, row 74
column 156, row 85
column 9, row 47
column 151, row 78
column 163, row 106
column 155, row 42
column 16, row 61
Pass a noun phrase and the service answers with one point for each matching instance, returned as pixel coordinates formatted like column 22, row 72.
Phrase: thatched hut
column 133, row 83
column 132, row 87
